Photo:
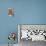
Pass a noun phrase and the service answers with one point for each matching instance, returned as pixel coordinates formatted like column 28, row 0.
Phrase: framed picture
column 32, row 32
column 10, row 12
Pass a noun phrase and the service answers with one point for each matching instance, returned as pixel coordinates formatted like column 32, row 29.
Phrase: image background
column 26, row 12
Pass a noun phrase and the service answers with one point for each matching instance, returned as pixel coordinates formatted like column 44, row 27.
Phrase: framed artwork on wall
column 10, row 11
column 32, row 32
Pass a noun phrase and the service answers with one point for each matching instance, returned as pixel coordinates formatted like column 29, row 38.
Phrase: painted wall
column 27, row 12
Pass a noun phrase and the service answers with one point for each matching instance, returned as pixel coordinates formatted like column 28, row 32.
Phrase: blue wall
column 27, row 12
